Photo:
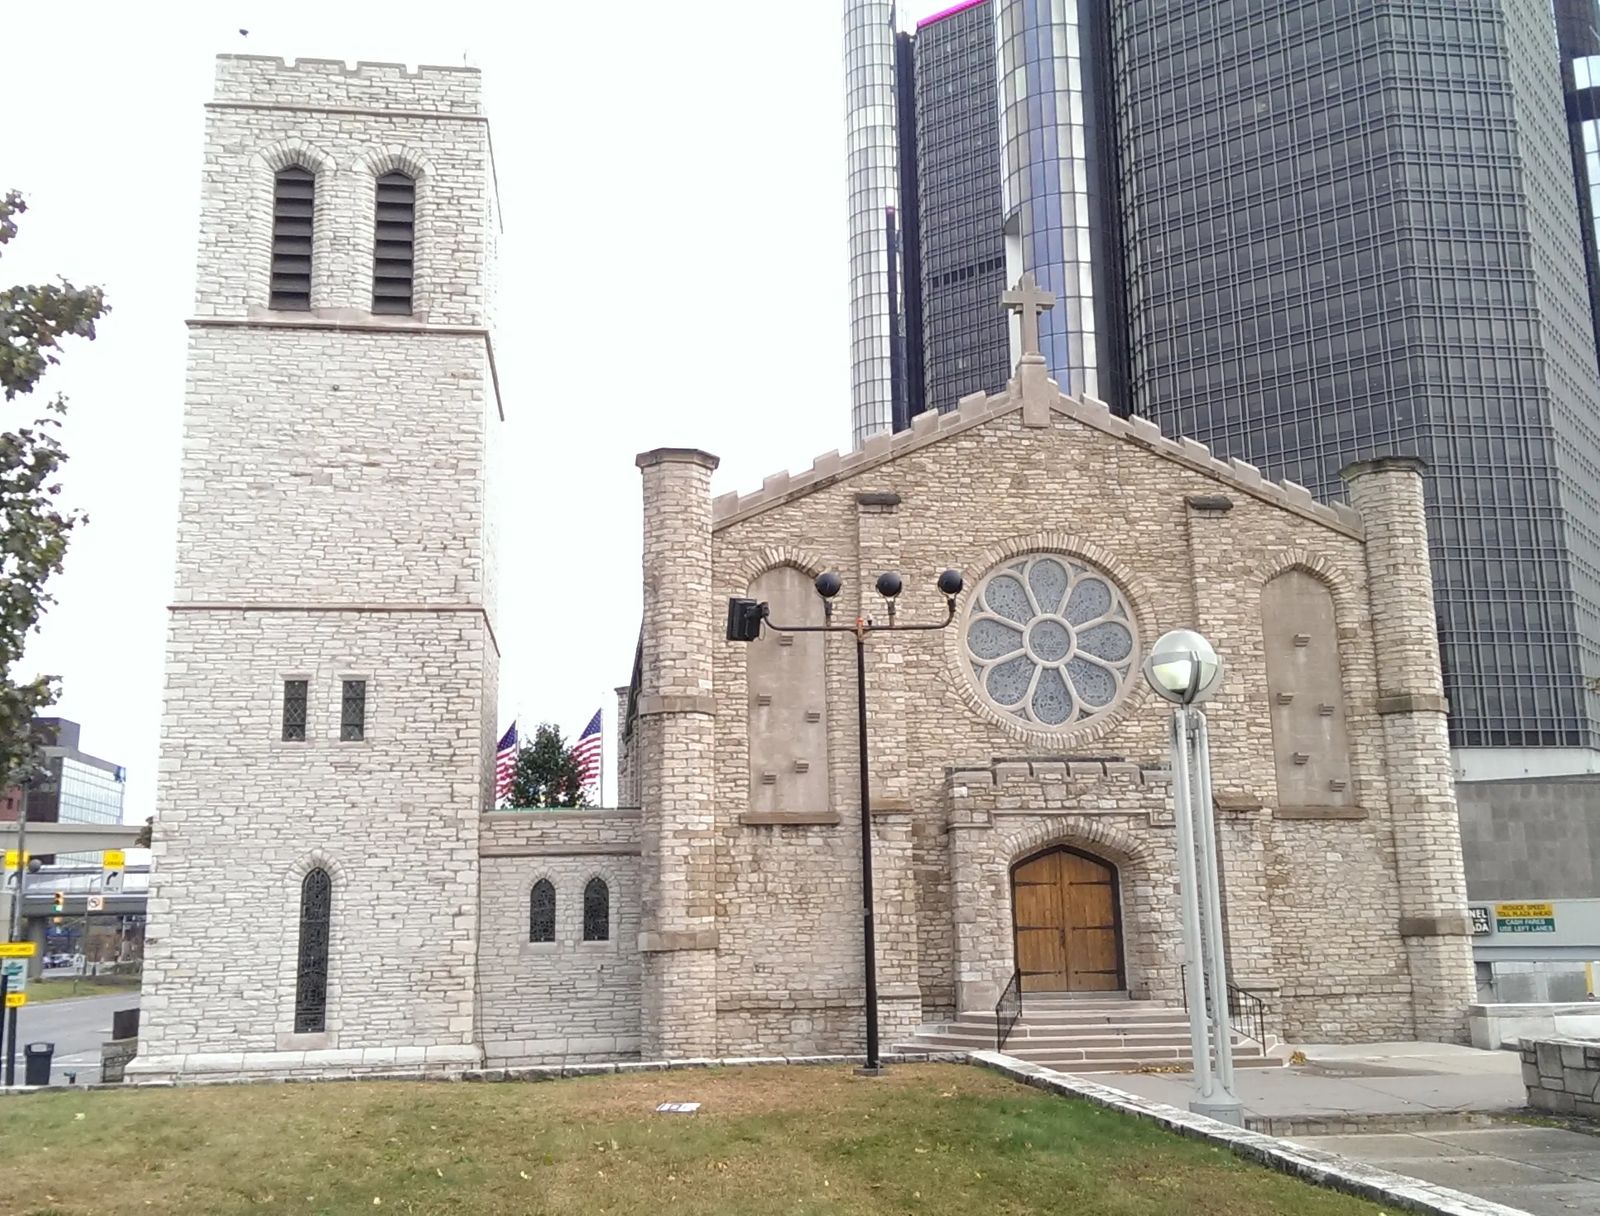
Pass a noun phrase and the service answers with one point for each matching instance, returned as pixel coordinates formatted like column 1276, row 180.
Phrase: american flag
column 505, row 764
column 588, row 751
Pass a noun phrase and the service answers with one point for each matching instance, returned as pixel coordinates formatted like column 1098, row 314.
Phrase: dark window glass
column 596, row 911
column 294, row 710
column 311, row 979
column 353, row 711
column 394, row 244
column 542, row 912
column 293, row 203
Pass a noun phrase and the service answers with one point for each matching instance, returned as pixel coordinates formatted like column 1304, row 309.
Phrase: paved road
column 1544, row 1170
column 77, row 1027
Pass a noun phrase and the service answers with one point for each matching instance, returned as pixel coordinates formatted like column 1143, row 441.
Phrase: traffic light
column 60, row 903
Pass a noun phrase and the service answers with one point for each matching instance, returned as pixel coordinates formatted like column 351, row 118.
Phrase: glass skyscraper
column 1351, row 230
column 1008, row 164
column 1578, row 36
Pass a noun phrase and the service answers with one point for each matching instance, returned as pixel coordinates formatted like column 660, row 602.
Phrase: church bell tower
column 329, row 715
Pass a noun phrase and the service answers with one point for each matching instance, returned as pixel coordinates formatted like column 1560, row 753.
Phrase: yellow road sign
column 18, row 949
column 16, row 1000
column 113, row 859
column 11, row 859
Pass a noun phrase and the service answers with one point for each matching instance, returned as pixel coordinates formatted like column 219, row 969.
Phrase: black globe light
column 746, row 619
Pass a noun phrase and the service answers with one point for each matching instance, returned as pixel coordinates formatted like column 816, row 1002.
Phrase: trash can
column 37, row 1057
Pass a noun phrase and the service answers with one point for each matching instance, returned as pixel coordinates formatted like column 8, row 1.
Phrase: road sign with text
column 16, row 972
column 16, row 1000
column 18, row 949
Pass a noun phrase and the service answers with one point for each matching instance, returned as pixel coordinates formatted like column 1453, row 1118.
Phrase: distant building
column 78, row 788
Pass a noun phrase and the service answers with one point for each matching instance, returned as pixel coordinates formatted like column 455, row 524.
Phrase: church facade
column 1020, row 802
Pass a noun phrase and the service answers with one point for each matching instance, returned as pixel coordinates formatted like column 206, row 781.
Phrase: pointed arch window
column 311, row 977
column 294, row 199
column 542, row 912
column 596, row 911
column 394, row 244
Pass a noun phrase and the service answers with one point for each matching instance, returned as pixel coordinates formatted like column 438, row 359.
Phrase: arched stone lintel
column 1094, row 835
column 773, row 557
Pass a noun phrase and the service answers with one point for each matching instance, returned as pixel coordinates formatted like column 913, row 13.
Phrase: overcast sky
column 672, row 188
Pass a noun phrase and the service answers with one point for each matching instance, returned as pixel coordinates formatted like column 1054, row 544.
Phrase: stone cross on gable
column 1029, row 299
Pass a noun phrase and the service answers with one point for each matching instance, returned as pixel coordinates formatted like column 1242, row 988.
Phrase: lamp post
column 745, row 618
column 1184, row 668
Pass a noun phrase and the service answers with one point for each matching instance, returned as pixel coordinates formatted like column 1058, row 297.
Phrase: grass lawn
column 941, row 1139
column 61, row 989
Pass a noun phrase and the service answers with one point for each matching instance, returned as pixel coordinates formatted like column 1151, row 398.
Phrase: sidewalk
column 1369, row 1087
column 1425, row 1110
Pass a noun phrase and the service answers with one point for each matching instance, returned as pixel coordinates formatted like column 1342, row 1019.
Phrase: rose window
column 1050, row 641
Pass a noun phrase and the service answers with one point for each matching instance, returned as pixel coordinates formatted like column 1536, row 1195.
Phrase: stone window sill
column 767, row 819
column 1320, row 812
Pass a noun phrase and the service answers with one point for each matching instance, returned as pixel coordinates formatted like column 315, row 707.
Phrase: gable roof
column 980, row 409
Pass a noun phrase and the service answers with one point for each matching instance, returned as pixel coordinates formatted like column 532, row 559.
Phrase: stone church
column 333, row 892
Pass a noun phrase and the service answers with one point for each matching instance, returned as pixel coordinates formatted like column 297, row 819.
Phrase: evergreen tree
column 33, row 526
column 547, row 773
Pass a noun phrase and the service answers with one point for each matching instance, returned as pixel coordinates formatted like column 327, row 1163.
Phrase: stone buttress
column 1433, row 894
column 677, row 765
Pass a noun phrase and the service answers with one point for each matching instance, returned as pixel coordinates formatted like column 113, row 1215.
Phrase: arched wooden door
column 1068, row 923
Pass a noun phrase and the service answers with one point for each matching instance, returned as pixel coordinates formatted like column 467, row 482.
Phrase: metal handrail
column 1007, row 1010
column 1246, row 1010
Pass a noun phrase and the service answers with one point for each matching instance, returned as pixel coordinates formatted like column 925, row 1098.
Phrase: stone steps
column 1082, row 1034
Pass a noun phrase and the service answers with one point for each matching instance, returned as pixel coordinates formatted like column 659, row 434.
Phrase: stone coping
column 979, row 408
column 1535, row 1009
column 527, row 1072
column 1313, row 1165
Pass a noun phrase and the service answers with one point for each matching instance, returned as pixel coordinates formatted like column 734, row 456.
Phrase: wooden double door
column 1068, row 923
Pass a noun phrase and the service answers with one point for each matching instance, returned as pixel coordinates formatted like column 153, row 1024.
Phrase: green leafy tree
column 33, row 526
column 547, row 772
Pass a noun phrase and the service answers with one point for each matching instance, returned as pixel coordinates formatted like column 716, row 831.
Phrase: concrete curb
column 1324, row 1169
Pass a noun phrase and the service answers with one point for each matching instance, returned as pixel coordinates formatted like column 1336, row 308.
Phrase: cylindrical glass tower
column 871, row 143
column 1046, row 176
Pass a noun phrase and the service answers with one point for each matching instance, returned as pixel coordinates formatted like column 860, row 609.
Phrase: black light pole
column 745, row 618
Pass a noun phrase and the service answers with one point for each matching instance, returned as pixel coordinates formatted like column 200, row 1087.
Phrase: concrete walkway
column 1544, row 1170
column 1372, row 1086
column 1427, row 1110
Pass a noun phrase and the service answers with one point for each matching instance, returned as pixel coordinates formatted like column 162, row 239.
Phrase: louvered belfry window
column 311, row 976
column 394, row 244
column 294, row 198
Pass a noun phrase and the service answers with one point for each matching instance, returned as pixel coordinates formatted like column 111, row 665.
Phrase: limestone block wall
column 334, row 465
column 242, row 814
column 1312, row 891
column 567, row 1000
column 1562, row 1076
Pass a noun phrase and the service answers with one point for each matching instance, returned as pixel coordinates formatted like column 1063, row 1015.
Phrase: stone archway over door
column 1067, row 920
